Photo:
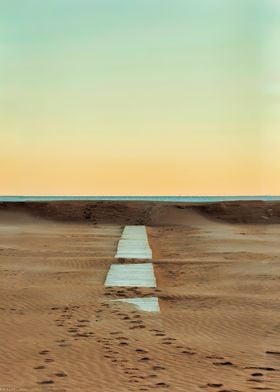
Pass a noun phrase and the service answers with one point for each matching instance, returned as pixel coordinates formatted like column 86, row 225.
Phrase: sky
column 142, row 97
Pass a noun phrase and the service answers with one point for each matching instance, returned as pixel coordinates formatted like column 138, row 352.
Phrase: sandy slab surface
column 218, row 287
column 147, row 304
column 131, row 275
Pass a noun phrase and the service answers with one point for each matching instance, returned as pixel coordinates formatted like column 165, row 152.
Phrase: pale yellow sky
column 138, row 98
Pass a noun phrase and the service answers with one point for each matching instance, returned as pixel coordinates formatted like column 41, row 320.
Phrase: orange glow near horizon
column 146, row 98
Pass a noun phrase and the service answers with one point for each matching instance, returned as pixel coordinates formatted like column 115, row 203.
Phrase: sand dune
column 217, row 268
column 149, row 213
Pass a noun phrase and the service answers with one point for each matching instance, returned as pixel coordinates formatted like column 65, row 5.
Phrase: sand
column 218, row 274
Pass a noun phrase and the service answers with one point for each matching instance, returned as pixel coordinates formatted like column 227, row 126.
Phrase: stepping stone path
column 149, row 304
column 134, row 244
column 131, row 275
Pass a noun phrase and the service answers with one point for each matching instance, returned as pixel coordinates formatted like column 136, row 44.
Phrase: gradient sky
column 121, row 97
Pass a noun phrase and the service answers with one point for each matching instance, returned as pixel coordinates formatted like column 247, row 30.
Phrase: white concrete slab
column 130, row 275
column 134, row 243
column 134, row 255
column 149, row 304
column 131, row 244
column 134, row 232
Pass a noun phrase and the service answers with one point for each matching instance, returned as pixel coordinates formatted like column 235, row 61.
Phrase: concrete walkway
column 148, row 304
column 131, row 275
column 134, row 244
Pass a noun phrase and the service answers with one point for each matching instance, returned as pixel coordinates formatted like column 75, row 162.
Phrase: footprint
column 45, row 382
column 61, row 374
column 188, row 352
column 162, row 384
column 273, row 352
column 49, row 360
column 226, row 363
column 268, row 369
column 158, row 367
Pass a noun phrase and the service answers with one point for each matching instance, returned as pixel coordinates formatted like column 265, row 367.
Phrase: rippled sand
column 218, row 287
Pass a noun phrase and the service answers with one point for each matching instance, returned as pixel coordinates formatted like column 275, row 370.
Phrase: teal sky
column 165, row 95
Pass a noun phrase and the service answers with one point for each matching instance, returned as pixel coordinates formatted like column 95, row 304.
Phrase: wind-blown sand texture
column 218, row 276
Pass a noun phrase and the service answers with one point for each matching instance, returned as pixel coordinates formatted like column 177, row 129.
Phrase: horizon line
column 152, row 195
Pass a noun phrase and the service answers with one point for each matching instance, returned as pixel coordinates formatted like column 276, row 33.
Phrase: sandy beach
column 218, row 279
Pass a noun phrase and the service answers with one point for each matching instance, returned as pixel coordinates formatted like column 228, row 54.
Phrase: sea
column 182, row 199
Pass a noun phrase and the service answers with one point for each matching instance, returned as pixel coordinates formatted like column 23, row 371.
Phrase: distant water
column 186, row 199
